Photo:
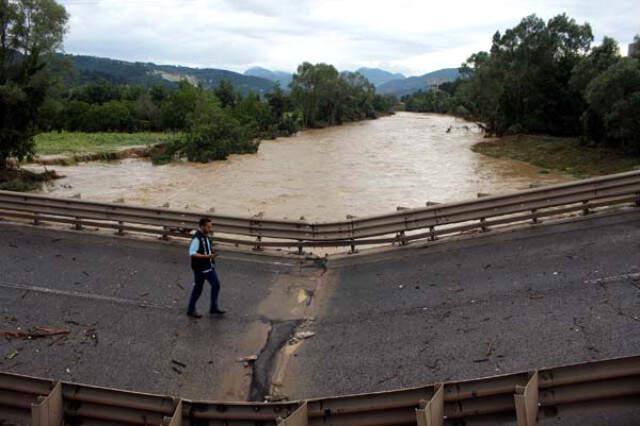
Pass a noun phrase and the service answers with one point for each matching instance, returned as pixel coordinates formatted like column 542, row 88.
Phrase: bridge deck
column 545, row 296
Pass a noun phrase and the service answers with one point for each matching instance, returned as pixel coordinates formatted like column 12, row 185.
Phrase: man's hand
column 213, row 255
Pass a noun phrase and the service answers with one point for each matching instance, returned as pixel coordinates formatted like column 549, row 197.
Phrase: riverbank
column 564, row 155
column 71, row 144
column 68, row 148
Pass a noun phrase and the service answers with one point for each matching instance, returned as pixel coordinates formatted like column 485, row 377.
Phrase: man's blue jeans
column 199, row 278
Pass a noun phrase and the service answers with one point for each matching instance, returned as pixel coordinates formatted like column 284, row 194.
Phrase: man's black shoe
column 194, row 315
column 217, row 312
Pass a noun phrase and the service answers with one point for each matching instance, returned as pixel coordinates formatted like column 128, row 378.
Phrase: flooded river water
column 357, row 169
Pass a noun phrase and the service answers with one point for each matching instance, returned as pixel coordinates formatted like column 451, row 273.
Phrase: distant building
column 634, row 50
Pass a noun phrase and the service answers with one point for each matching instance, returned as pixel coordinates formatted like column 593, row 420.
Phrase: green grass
column 566, row 155
column 54, row 143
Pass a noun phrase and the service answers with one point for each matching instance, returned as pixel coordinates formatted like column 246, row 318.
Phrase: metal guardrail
column 398, row 228
column 516, row 396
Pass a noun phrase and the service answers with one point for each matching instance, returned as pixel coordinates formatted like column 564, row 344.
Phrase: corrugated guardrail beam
column 400, row 227
column 517, row 394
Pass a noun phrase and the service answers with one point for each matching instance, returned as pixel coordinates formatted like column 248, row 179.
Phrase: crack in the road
column 264, row 367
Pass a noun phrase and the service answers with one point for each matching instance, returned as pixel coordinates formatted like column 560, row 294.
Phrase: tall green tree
column 314, row 89
column 29, row 31
column 614, row 96
column 226, row 94
column 522, row 84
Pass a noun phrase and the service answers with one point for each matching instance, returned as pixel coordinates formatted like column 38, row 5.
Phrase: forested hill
column 86, row 69
column 410, row 85
column 91, row 68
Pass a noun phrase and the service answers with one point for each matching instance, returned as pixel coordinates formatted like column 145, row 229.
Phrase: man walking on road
column 203, row 265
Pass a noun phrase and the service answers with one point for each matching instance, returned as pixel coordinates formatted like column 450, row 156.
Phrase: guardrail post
column 258, row 246
column 300, row 417
column 534, row 219
column 400, row 238
column 176, row 419
column 49, row 410
column 585, row 210
column 638, row 199
column 36, row 220
column 483, row 224
column 78, row 224
column 526, row 400
column 300, row 247
column 431, row 413
column 165, row 233
column 432, row 231
column 353, row 247
column 120, row 228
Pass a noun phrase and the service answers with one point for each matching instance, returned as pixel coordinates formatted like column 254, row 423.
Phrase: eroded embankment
column 120, row 154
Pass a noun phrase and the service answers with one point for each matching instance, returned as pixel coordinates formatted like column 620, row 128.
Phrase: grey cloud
column 280, row 34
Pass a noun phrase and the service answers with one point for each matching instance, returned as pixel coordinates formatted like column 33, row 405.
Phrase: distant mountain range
column 256, row 79
column 406, row 86
column 378, row 77
column 282, row 77
column 91, row 68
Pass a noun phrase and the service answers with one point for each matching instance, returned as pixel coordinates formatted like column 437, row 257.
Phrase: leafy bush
column 214, row 135
column 614, row 101
column 19, row 185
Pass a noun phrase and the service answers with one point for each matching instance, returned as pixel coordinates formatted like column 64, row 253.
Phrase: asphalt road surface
column 124, row 303
column 542, row 296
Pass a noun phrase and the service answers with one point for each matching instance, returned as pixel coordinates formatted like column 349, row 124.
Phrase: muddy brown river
column 357, row 169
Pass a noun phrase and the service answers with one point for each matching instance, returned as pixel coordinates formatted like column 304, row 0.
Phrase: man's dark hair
column 203, row 221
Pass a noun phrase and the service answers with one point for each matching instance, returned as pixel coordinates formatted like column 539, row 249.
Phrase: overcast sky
column 412, row 37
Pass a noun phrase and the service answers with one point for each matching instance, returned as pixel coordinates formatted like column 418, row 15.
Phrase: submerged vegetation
column 565, row 155
column 212, row 124
column 546, row 78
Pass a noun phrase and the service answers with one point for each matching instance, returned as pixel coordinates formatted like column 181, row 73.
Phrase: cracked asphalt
column 479, row 307
column 499, row 303
column 132, row 296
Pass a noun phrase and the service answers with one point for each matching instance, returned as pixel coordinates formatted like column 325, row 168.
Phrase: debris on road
column 490, row 346
column 275, row 398
column 302, row 335
column 181, row 364
column 92, row 334
column 34, row 333
column 12, row 355
column 58, row 339
column 250, row 358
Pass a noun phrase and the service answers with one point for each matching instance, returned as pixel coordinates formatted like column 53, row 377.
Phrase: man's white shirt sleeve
column 194, row 246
